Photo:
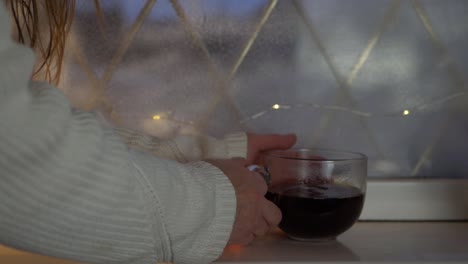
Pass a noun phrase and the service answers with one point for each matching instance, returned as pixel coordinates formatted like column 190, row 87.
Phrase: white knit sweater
column 71, row 188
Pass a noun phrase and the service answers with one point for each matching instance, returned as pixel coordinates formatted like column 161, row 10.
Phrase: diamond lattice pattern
column 386, row 78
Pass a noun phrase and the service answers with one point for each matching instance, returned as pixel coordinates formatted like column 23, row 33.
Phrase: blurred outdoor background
column 386, row 78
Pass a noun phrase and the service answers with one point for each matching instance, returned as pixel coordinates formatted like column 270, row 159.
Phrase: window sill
column 366, row 242
column 416, row 200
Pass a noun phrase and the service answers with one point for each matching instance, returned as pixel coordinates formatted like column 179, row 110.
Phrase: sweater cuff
column 236, row 145
column 225, row 203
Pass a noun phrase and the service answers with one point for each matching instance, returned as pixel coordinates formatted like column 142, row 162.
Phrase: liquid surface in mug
column 319, row 211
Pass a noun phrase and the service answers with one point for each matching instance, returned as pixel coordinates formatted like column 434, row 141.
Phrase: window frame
column 416, row 200
column 395, row 199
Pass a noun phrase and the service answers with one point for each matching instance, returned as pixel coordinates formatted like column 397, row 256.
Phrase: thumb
column 273, row 141
column 258, row 143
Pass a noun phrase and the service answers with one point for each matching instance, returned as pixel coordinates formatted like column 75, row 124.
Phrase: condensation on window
column 386, row 78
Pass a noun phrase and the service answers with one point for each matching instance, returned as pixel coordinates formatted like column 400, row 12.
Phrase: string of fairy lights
column 423, row 108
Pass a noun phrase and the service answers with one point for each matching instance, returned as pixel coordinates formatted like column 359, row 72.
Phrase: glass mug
column 320, row 192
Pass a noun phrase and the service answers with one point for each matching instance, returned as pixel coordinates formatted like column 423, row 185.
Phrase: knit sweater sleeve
column 185, row 148
column 70, row 188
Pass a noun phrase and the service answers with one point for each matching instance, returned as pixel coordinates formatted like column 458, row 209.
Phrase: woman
column 71, row 187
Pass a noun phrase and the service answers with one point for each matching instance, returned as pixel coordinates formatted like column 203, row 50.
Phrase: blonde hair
column 44, row 26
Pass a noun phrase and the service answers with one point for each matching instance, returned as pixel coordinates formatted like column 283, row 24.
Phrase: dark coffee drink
column 317, row 212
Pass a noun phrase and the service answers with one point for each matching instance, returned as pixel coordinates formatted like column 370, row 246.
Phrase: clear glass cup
column 320, row 192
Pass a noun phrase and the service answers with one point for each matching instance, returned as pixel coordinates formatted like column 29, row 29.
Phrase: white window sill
column 366, row 242
column 416, row 200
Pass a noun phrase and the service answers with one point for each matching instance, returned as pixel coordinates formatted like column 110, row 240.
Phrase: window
column 386, row 78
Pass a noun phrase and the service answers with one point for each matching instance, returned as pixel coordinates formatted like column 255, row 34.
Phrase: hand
column 255, row 215
column 258, row 143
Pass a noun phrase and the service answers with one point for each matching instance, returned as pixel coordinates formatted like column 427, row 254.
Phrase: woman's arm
column 71, row 188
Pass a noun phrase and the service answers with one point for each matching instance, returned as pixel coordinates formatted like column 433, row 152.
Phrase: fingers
column 259, row 143
column 254, row 214
column 271, row 213
column 263, row 217
column 259, row 183
column 265, row 142
column 269, row 218
column 261, row 228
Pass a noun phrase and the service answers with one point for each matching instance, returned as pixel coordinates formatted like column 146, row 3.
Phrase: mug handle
column 263, row 171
